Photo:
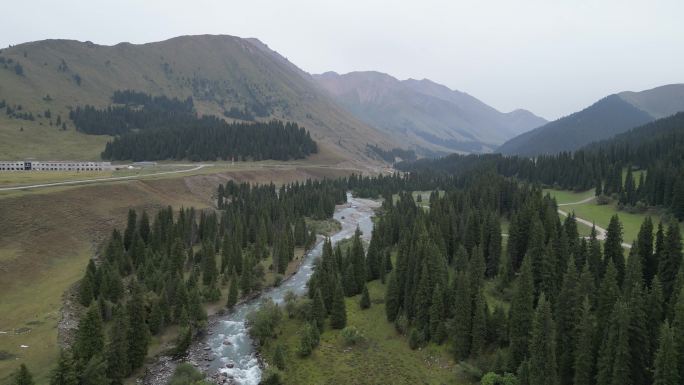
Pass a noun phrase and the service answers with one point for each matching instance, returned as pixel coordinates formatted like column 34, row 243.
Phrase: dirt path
column 99, row 180
column 600, row 231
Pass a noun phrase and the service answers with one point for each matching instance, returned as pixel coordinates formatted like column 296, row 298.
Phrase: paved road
column 99, row 180
column 600, row 231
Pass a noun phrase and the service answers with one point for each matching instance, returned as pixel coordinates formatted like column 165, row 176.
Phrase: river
column 238, row 349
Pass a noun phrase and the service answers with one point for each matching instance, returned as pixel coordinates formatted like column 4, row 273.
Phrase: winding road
column 600, row 231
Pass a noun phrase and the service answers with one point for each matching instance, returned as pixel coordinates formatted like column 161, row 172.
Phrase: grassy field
column 383, row 358
column 48, row 235
column 601, row 214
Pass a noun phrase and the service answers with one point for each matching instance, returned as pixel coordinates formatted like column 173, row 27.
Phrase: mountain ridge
column 218, row 71
column 423, row 114
column 607, row 117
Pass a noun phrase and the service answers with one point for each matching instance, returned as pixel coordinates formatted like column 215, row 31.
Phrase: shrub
column 351, row 336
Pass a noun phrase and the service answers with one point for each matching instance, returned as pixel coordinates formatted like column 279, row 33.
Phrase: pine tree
column 463, row 317
column 358, row 262
column 89, row 336
column 318, row 311
column 479, row 324
column 95, row 371
column 666, row 371
column 130, row 232
column 22, row 376
column 138, row 334
column 607, row 295
column 279, row 357
column 116, row 350
column 671, row 259
column 365, row 302
column 87, row 290
column 678, row 331
column 392, row 300
column 520, row 314
column 612, row 249
column 232, row 291
column 65, row 372
column 567, row 317
column 645, row 242
column 585, row 347
column 543, row 346
column 437, row 311
column 338, row 312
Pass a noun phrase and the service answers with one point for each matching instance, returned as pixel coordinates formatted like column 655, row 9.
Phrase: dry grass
column 47, row 236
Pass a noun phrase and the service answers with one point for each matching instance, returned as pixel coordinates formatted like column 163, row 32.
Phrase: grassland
column 383, row 358
column 601, row 214
column 48, row 235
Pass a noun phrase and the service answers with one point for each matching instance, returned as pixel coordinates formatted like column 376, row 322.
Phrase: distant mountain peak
column 423, row 114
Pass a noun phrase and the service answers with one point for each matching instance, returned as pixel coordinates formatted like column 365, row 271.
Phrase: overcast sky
column 552, row 57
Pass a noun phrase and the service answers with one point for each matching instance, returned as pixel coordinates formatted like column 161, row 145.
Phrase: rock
column 207, row 348
column 230, row 365
column 227, row 342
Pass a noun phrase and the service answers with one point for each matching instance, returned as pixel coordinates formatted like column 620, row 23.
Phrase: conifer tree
column 22, row 376
column 338, row 312
column 358, row 262
column 95, row 371
column 542, row 348
column 437, row 314
column 116, row 350
column 392, row 300
column 279, row 357
column 607, row 295
column 130, row 232
column 463, row 317
column 318, row 311
column 645, row 242
column 670, row 259
column 65, row 372
column 137, row 334
column 479, row 324
column 364, row 302
column 232, row 291
column 89, row 336
column 520, row 314
column 612, row 249
column 666, row 371
column 584, row 350
column 567, row 317
column 87, row 288
column 678, row 331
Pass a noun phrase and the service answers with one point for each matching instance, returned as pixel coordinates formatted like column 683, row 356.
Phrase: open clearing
column 48, row 235
column 383, row 358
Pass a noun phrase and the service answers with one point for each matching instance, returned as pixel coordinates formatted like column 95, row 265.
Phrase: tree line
column 656, row 148
column 158, row 128
column 160, row 271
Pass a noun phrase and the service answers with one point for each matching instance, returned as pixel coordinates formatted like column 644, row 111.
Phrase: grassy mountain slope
column 425, row 115
column 604, row 119
column 219, row 72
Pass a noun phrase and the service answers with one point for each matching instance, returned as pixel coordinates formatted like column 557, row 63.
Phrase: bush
column 492, row 378
column 602, row 200
column 416, row 339
column 263, row 322
column 351, row 336
column 186, row 374
column 401, row 324
column 271, row 377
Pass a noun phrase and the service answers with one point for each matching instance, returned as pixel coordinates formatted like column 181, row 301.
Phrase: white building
column 35, row 165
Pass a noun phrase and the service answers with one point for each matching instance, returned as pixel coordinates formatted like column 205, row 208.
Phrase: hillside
column 424, row 115
column 604, row 119
column 221, row 73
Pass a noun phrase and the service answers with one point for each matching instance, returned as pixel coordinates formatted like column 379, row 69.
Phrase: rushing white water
column 239, row 351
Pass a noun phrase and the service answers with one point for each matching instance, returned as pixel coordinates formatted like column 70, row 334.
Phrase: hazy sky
column 550, row 56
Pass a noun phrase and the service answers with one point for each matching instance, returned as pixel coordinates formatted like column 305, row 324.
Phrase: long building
column 36, row 165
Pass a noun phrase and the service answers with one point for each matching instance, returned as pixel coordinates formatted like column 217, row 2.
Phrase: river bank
column 225, row 351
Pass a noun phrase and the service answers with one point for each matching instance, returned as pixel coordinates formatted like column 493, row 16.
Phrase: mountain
column 424, row 115
column 221, row 73
column 604, row 119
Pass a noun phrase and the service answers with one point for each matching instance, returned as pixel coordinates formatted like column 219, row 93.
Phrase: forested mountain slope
column 424, row 115
column 604, row 119
column 226, row 76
